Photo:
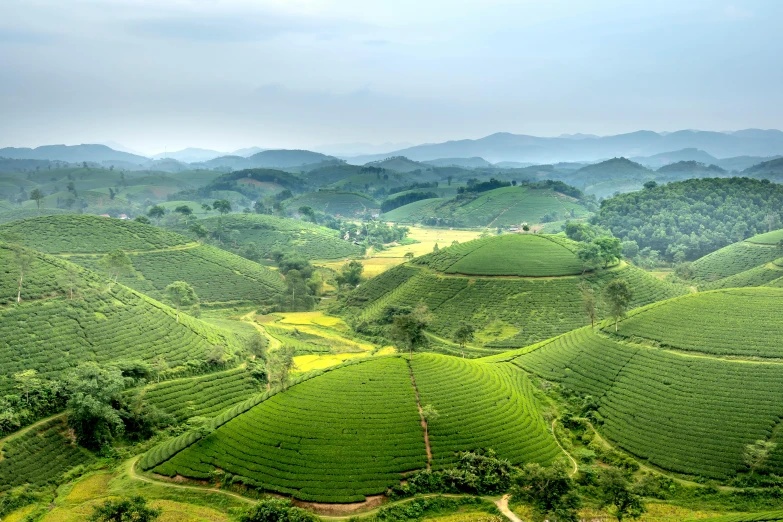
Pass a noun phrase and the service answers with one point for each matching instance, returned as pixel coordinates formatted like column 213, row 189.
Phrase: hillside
column 667, row 158
column 501, row 207
column 335, row 202
column 159, row 257
column 699, row 410
column 772, row 169
column 695, row 217
column 399, row 164
column 468, row 163
column 72, row 153
column 506, row 310
column 691, row 169
column 739, row 258
column 268, row 159
column 270, row 233
column 359, row 427
column 52, row 331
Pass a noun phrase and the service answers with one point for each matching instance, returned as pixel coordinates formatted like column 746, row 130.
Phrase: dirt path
column 573, row 461
column 423, row 420
column 502, row 505
column 132, row 474
column 274, row 343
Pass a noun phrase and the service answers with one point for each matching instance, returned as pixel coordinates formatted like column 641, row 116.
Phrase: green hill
column 607, row 177
column 52, row 332
column 506, row 310
column 691, row 169
column 400, row 164
column 501, row 207
column 159, row 257
column 335, row 202
column 738, row 258
column 270, row 233
column 663, row 393
column 772, row 169
column 359, row 428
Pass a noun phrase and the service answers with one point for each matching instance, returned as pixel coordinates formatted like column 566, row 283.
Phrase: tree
column 279, row 366
column 351, row 274
column 590, row 256
column 222, row 205
column 92, row 390
column 609, row 249
column 756, row 454
column 588, row 302
column 199, row 230
column 156, row 212
column 549, row 490
column 115, row 263
column 408, row 329
column 449, row 178
column 408, row 256
column 308, row 212
column 142, row 219
column 650, row 185
column 23, row 260
column 185, row 211
column 436, row 248
column 71, row 280
column 27, row 380
column 616, row 491
column 429, row 413
column 37, row 196
column 206, row 208
column 259, row 207
column 134, row 509
column 463, row 335
column 276, row 510
column 181, row 294
column 618, row 295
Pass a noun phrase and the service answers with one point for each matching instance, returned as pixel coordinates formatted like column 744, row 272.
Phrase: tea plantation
column 270, row 233
column 159, row 257
column 506, row 311
column 40, row 456
column 738, row 257
column 684, row 413
column 353, row 431
column 336, row 203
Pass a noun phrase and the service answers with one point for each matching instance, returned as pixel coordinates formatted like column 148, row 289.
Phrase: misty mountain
column 772, row 169
column 345, row 150
column 692, row 169
column 399, row 164
column 666, row 158
column 282, row 158
column 73, row 153
column 190, row 155
column 248, row 151
column 22, row 165
column 469, row 163
column 505, row 146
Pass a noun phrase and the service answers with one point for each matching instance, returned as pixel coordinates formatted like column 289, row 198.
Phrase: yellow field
column 468, row 517
column 372, row 266
column 91, row 487
column 306, row 363
column 427, row 237
column 317, row 318
column 19, row 514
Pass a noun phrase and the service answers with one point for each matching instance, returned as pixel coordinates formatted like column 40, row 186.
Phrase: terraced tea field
column 359, row 428
column 698, row 412
column 737, row 258
column 159, row 257
column 506, row 311
column 39, row 456
column 336, row 203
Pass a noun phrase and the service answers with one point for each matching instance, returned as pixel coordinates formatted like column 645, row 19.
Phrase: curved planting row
column 687, row 414
column 40, row 456
column 481, row 406
column 202, row 396
column 337, row 438
column 744, row 322
column 733, row 259
column 758, row 276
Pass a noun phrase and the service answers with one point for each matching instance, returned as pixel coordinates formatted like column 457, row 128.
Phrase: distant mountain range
column 504, row 146
column 73, row 154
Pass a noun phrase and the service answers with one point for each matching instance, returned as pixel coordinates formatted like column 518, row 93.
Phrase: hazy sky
column 225, row 74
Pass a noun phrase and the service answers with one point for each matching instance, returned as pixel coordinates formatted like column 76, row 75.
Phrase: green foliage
column 697, row 216
column 181, row 294
column 713, row 269
column 408, row 329
column 92, row 391
column 115, row 263
column 350, row 274
column 132, row 509
column 40, row 456
column 617, row 492
column 549, row 490
column 421, row 508
column 619, row 295
column 336, row 203
column 276, row 510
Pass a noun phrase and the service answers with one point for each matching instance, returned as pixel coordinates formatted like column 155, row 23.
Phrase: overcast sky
column 225, row 74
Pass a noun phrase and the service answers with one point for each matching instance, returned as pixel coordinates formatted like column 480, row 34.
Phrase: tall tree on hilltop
column 37, row 196
column 618, row 295
column 463, row 335
column 408, row 329
column 181, row 294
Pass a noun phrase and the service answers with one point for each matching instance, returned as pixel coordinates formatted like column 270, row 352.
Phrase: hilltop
column 500, row 207
column 751, row 262
column 159, row 257
column 268, row 159
column 671, row 361
column 772, row 169
column 335, row 202
column 359, row 427
column 513, row 289
column 691, row 169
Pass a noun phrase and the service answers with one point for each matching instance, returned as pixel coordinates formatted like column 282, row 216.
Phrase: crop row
column 686, row 414
column 749, row 322
column 481, row 406
column 758, row 276
column 733, row 259
column 202, row 396
column 347, row 434
column 54, row 335
column 40, row 456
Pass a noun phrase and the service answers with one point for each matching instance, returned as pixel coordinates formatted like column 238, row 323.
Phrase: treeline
column 688, row 219
column 405, row 199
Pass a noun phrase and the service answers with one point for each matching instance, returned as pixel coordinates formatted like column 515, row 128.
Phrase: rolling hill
column 270, row 233
column 335, row 202
column 733, row 264
column 772, row 169
column 267, row 159
column 159, row 257
column 359, row 428
column 685, row 384
column 69, row 315
column 501, row 207
column 515, row 290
